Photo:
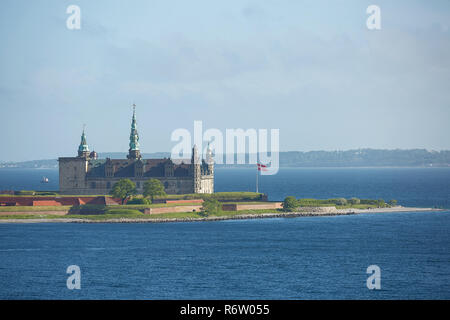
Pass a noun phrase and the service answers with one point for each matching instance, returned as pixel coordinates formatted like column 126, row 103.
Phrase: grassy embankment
column 135, row 211
column 225, row 196
column 136, row 214
column 341, row 203
column 96, row 212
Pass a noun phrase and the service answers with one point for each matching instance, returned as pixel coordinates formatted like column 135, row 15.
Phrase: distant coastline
column 350, row 158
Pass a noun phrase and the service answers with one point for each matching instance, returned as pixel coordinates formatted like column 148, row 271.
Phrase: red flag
column 261, row 167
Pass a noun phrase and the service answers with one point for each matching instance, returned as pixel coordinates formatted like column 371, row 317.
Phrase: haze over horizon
column 309, row 68
column 160, row 154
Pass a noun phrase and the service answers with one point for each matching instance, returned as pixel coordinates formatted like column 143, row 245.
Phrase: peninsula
column 180, row 208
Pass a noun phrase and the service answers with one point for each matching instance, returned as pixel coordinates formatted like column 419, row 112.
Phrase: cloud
column 282, row 64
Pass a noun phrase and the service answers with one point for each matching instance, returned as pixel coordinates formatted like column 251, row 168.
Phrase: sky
column 311, row 69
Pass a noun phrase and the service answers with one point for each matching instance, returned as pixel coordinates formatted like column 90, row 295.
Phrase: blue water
column 423, row 187
column 28, row 179
column 292, row 258
column 299, row 258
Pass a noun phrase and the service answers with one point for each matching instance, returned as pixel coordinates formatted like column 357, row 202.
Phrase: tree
column 123, row 189
column 290, row 203
column 152, row 188
column 354, row 201
column 392, row 202
column 211, row 206
column 340, row 201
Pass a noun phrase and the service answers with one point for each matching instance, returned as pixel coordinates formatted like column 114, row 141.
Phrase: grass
column 231, row 197
column 135, row 214
column 122, row 212
column 221, row 196
column 155, row 205
column 66, row 208
column 317, row 205
column 99, row 212
column 33, row 209
column 125, row 209
column 87, row 217
column 341, row 203
column 235, row 195
column 357, row 206
column 98, row 209
column 185, row 215
column 51, row 194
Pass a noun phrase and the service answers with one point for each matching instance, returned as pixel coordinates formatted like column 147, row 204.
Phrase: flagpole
column 257, row 171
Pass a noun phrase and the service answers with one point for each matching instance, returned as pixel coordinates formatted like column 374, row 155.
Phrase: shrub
column 123, row 211
column 392, row 202
column 369, row 201
column 354, row 201
column 221, row 196
column 45, row 193
column 26, row 193
column 290, row 203
column 138, row 201
column 309, row 202
column 211, row 206
column 87, row 209
column 233, row 196
column 340, row 201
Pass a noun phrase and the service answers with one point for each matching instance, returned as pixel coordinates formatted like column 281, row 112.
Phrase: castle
column 87, row 175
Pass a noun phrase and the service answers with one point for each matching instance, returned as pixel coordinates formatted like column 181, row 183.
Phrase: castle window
column 166, row 184
column 168, row 170
column 109, row 171
column 93, row 186
column 138, row 184
column 108, row 185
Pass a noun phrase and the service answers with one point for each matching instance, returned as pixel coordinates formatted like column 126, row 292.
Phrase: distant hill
column 123, row 155
column 38, row 164
column 349, row 158
column 366, row 158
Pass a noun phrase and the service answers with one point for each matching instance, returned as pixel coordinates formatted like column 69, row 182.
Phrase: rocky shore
column 304, row 212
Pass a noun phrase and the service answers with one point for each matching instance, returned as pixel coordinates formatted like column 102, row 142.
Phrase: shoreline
column 307, row 213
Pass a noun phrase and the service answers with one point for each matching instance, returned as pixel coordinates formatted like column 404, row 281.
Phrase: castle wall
column 99, row 186
column 72, row 175
column 172, row 185
column 207, row 184
column 73, row 179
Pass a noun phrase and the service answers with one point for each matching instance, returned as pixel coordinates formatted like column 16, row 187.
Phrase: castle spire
column 134, row 152
column 209, row 155
column 195, row 159
column 83, row 149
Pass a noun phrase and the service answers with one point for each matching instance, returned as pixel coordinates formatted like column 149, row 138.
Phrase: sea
column 280, row 258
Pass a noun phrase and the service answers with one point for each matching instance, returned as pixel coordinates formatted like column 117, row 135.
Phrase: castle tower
column 209, row 160
column 83, row 149
column 196, row 169
column 134, row 152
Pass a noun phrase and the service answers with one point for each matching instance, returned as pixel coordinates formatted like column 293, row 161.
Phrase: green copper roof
column 134, row 137
column 83, row 144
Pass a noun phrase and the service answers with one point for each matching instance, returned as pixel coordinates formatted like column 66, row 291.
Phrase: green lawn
column 33, row 209
column 357, row 206
column 134, row 214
